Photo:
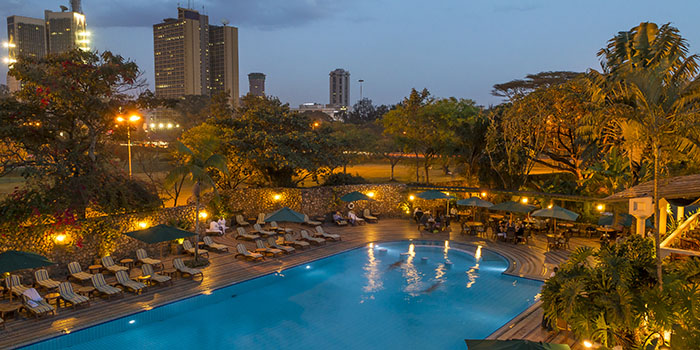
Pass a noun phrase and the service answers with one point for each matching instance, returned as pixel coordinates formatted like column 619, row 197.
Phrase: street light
column 132, row 119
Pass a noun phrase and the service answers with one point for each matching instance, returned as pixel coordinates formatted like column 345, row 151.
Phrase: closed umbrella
column 159, row 233
column 13, row 260
column 513, row 344
column 555, row 212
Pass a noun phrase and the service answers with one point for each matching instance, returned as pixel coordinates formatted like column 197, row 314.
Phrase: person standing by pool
column 418, row 215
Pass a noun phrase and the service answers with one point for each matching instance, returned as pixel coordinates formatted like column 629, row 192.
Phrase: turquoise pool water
column 431, row 297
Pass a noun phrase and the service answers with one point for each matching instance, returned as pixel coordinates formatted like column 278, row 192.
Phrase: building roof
column 687, row 186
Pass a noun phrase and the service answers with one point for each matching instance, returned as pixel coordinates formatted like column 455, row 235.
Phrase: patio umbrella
column 13, row 260
column 556, row 212
column 433, row 194
column 625, row 220
column 159, row 233
column 285, row 215
column 475, row 202
column 513, row 344
column 355, row 196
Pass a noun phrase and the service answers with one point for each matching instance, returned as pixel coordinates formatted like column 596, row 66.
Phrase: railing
column 689, row 224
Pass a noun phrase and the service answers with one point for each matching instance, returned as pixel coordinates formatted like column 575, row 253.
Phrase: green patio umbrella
column 433, row 194
column 355, row 196
column 555, row 212
column 475, row 202
column 514, row 207
column 159, row 233
column 285, row 215
column 13, row 260
column 513, row 344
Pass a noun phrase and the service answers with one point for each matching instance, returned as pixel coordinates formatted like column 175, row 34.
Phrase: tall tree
column 520, row 87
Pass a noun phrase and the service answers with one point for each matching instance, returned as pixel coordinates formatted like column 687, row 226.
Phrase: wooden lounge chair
column 261, row 248
column 246, row 254
column 273, row 244
column 2, row 323
column 77, row 273
column 273, row 225
column 258, row 229
column 98, row 281
column 143, row 258
column 241, row 234
column 261, row 219
column 14, row 286
column 42, row 279
column 313, row 240
column 187, row 246
column 241, row 221
column 65, row 290
column 147, row 270
column 368, row 216
column 108, row 263
column 321, row 233
column 289, row 240
column 35, row 304
column 126, row 282
column 213, row 245
column 179, row 265
column 311, row 222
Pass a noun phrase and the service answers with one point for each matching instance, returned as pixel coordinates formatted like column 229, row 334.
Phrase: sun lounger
column 108, row 263
column 273, row 244
column 15, row 286
column 261, row 248
column 98, row 281
column 258, row 229
column 261, row 219
column 368, row 217
column 42, row 279
column 246, row 254
column 2, row 323
column 289, row 240
column 241, row 221
column 65, row 290
column 143, row 258
column 321, row 233
column 147, row 271
column 213, row 245
column 311, row 222
column 273, row 225
column 241, row 234
column 187, row 246
column 179, row 265
column 77, row 273
column 126, row 282
column 313, row 240
column 35, row 304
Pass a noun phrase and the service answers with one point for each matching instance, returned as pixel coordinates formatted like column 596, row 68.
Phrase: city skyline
column 452, row 48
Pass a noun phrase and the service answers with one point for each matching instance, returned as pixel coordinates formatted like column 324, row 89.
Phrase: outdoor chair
column 273, row 225
column 147, row 271
column 313, row 240
column 241, row 234
column 35, row 304
column 510, row 235
column 14, row 286
column 258, row 229
column 179, row 265
column 77, row 273
column 289, row 240
column 143, row 258
column 108, row 263
column 261, row 248
column 246, row 254
column 273, row 244
column 321, row 233
column 2, row 323
column 42, row 279
column 65, row 290
column 261, row 219
column 311, row 222
column 368, row 216
column 126, row 282
column 101, row 286
column 187, row 246
column 241, row 221
column 551, row 242
column 213, row 245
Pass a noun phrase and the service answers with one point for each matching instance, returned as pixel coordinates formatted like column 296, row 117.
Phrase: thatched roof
column 674, row 187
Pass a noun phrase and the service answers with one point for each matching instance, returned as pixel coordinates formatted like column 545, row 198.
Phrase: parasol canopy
column 159, row 233
column 475, row 202
column 285, row 215
column 13, row 260
column 514, row 207
column 556, row 212
column 433, row 194
column 355, row 196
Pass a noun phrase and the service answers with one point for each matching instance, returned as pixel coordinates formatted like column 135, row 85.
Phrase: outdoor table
column 52, row 296
column 497, row 216
column 128, row 262
column 86, row 291
column 473, row 223
column 144, row 279
column 10, row 307
column 565, row 224
column 170, row 272
column 95, row 268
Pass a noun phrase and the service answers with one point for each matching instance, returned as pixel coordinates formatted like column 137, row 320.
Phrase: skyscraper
column 223, row 57
column 181, row 52
column 256, row 84
column 65, row 31
column 339, row 88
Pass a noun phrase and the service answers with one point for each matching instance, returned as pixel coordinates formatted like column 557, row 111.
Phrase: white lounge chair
column 321, row 233
column 313, row 240
column 241, row 234
column 245, row 253
column 35, row 304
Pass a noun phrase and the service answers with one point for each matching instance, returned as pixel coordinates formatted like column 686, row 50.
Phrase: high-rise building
column 339, row 88
column 181, row 52
column 223, row 58
column 256, row 84
column 66, row 31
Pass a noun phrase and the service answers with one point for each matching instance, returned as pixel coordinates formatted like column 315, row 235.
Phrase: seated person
column 338, row 219
column 222, row 224
column 215, row 228
column 353, row 218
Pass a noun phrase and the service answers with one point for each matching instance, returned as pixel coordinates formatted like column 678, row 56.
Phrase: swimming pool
column 397, row 295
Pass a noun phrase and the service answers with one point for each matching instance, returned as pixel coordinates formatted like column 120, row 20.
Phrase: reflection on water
column 411, row 274
column 374, row 278
column 473, row 272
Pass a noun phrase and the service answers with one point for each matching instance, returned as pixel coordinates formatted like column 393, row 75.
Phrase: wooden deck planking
column 526, row 261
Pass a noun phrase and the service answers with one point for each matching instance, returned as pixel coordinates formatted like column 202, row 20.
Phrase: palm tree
column 195, row 166
column 648, row 72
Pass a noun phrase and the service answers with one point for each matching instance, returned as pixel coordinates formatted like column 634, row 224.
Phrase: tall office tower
column 181, row 54
column 256, row 84
column 223, row 58
column 340, row 88
column 75, row 6
column 66, row 31
column 25, row 37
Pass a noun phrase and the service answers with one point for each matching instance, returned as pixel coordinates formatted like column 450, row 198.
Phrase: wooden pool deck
column 527, row 260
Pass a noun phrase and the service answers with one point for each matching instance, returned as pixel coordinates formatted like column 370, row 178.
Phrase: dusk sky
column 452, row 47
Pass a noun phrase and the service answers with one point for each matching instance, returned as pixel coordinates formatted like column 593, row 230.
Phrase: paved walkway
column 527, row 260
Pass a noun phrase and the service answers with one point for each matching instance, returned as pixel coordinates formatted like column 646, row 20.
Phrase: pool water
column 431, row 297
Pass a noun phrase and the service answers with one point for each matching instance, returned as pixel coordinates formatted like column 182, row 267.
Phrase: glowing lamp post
column 130, row 120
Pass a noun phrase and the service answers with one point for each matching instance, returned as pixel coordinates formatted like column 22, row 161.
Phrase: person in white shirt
column 222, row 225
column 352, row 217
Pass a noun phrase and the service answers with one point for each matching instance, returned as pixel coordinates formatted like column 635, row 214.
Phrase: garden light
column 600, row 207
column 143, row 224
column 524, row 200
column 483, row 194
column 587, row 344
column 411, row 197
column 61, row 238
column 277, row 197
column 370, row 194
column 134, row 118
column 203, row 214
